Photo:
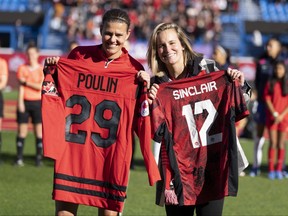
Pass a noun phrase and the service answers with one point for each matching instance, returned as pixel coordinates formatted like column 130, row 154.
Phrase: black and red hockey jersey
column 88, row 122
column 194, row 118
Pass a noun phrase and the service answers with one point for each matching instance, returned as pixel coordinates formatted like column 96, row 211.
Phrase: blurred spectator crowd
column 201, row 19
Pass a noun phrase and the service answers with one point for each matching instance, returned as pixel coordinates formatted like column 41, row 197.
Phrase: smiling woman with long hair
column 171, row 59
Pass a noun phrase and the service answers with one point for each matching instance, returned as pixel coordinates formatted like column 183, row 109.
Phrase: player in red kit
column 276, row 98
column 194, row 124
column 103, row 102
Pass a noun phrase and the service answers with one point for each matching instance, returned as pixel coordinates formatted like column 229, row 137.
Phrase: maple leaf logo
column 49, row 88
column 144, row 108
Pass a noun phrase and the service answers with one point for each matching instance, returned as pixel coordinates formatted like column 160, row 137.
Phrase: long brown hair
column 154, row 62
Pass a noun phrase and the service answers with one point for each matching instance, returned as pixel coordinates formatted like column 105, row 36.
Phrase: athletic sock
column 281, row 153
column 284, row 160
column 39, row 149
column 20, row 147
column 271, row 155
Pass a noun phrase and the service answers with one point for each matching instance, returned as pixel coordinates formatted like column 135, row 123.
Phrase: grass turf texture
column 27, row 190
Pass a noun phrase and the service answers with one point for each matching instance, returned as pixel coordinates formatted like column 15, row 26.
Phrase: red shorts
column 282, row 126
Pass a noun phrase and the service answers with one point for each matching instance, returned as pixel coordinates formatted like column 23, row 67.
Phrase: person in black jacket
column 264, row 71
column 171, row 57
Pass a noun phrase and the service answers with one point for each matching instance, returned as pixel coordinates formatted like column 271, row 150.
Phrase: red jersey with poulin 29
column 194, row 118
column 88, row 122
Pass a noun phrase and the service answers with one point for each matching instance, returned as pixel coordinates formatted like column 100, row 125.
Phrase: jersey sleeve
column 143, row 128
column 53, row 118
column 158, row 121
column 241, row 110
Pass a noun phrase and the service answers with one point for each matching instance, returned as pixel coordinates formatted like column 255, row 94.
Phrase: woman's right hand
column 51, row 61
column 236, row 75
column 153, row 92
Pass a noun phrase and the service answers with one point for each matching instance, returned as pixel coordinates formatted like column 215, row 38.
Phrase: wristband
column 24, row 83
column 275, row 114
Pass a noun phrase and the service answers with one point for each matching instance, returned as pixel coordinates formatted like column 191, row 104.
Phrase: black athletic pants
column 212, row 208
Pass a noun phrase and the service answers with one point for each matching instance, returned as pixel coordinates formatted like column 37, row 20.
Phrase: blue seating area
column 30, row 12
column 20, row 5
column 260, row 10
column 273, row 12
column 229, row 18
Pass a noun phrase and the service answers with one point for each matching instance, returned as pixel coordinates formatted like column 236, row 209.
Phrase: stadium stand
column 229, row 22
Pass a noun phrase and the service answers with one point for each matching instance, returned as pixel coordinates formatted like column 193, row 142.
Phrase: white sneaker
column 242, row 173
column 19, row 163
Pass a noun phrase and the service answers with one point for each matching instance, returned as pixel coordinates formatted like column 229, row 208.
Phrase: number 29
column 108, row 124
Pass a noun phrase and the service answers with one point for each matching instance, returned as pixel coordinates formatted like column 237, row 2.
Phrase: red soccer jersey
column 280, row 103
column 195, row 120
column 87, row 129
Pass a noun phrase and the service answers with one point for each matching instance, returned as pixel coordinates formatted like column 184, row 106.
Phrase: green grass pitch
column 27, row 190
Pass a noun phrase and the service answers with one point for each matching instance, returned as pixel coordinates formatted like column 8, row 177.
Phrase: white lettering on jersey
column 194, row 90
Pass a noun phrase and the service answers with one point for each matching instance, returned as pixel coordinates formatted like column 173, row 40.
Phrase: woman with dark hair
column 276, row 99
column 264, row 71
column 30, row 77
column 222, row 57
column 100, row 177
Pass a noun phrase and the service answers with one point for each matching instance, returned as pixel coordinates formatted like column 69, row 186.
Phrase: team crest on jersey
column 49, row 88
column 144, row 108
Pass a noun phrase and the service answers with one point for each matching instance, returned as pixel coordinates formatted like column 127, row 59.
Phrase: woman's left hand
column 144, row 76
column 236, row 75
